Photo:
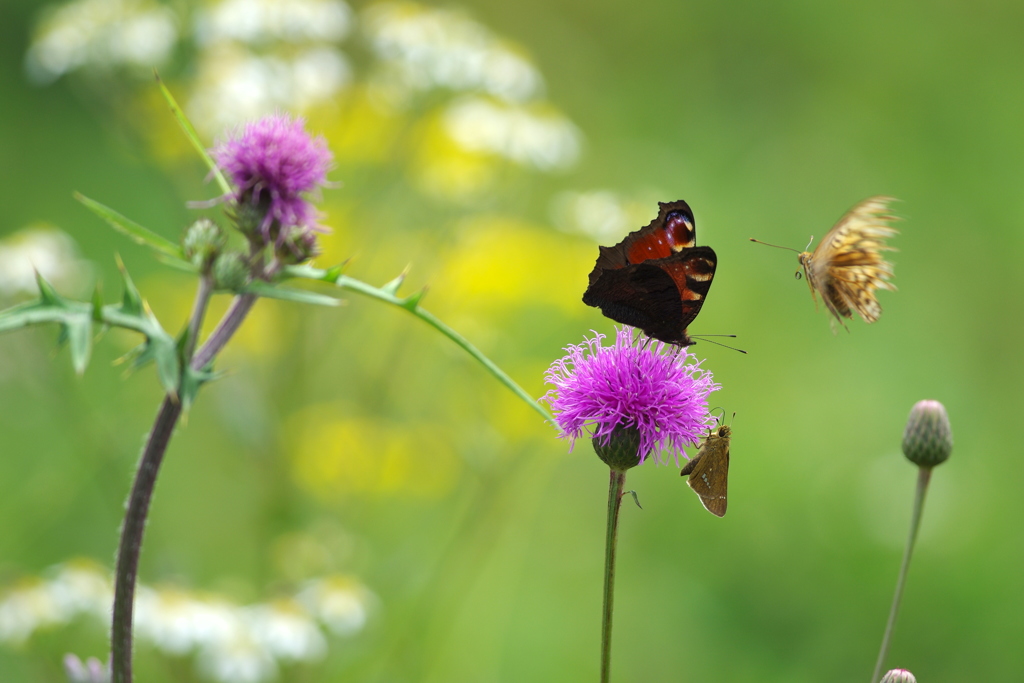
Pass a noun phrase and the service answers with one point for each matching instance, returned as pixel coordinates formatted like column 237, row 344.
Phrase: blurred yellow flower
column 335, row 455
column 446, row 169
column 501, row 262
column 365, row 131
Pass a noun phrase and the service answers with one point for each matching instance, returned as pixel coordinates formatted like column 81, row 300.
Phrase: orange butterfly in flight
column 848, row 265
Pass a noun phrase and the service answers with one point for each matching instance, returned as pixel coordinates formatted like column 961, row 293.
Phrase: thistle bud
column 202, row 242
column 620, row 450
column 299, row 246
column 928, row 438
column 898, row 676
column 248, row 217
column 230, row 271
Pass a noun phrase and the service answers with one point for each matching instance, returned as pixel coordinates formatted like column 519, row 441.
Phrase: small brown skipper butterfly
column 709, row 470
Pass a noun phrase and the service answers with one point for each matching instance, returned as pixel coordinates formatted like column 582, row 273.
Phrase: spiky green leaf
column 131, row 299
column 192, row 381
column 413, row 300
column 74, row 317
column 135, row 232
column 270, row 291
column 134, row 313
column 392, row 287
column 79, row 335
column 193, row 137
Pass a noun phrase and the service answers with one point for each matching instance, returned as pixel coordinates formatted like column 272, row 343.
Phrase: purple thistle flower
column 272, row 163
column 631, row 385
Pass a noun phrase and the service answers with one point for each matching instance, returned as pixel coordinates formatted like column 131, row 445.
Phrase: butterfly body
column 708, row 471
column 656, row 279
column 848, row 266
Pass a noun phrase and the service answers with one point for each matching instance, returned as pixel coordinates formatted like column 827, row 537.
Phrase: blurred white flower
column 600, row 214
column 424, row 48
column 339, row 602
column 233, row 643
column 75, row 588
column 26, row 609
column 285, row 629
column 104, row 33
column 545, row 140
column 178, row 622
column 264, row 21
column 235, row 84
column 81, row 588
column 45, row 250
column 240, row 659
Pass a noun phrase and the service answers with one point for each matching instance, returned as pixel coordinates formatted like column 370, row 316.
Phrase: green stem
column 195, row 322
column 617, row 480
column 923, row 477
column 411, row 304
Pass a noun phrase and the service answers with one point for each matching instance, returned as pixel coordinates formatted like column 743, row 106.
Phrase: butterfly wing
column 659, row 296
column 848, row 266
column 672, row 231
column 709, row 471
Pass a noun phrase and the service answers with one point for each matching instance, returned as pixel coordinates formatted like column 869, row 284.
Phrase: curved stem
column 923, row 477
column 411, row 304
column 228, row 325
column 617, row 481
column 129, row 549
column 195, row 322
column 131, row 538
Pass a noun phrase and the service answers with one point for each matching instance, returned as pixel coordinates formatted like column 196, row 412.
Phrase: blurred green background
column 357, row 442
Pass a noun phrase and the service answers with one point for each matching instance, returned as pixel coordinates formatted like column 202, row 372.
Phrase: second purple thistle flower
column 654, row 392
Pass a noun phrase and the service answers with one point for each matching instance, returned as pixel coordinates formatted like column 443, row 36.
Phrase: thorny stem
column 195, row 322
column 134, row 526
column 617, row 481
column 131, row 538
column 923, row 476
column 227, row 327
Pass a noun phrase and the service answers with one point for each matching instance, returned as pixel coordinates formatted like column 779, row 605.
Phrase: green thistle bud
column 230, row 271
column 621, row 450
column 898, row 676
column 299, row 246
column 249, row 218
column 928, row 438
column 202, row 242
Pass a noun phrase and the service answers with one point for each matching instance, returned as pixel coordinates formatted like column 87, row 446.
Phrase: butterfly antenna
column 809, row 242
column 709, row 341
column 777, row 246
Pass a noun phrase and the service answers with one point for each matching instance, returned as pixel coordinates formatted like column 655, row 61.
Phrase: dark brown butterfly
column 655, row 279
column 709, row 470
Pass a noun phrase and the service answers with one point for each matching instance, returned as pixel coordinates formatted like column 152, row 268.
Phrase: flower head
column 273, row 163
column 928, row 437
column 631, row 389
